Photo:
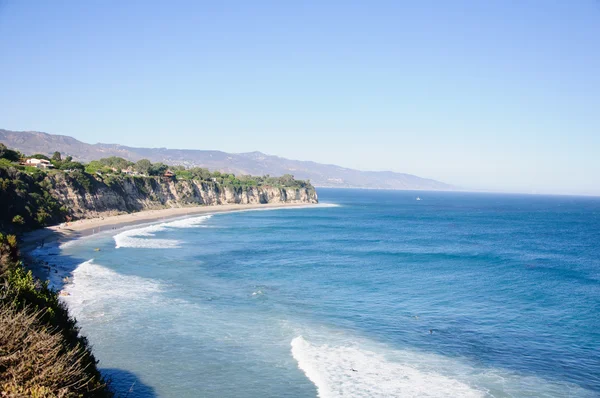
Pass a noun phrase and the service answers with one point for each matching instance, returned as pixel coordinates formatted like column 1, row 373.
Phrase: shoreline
column 62, row 233
column 76, row 229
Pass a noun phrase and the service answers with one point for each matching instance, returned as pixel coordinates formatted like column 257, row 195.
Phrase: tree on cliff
column 40, row 156
column 143, row 166
column 158, row 169
column 9, row 154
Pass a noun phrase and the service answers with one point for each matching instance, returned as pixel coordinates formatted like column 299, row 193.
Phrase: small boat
column 97, row 249
column 418, row 198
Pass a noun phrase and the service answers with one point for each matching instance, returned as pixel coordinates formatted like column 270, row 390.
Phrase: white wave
column 346, row 371
column 187, row 222
column 93, row 287
column 67, row 244
column 327, row 205
column 358, row 367
column 297, row 207
column 138, row 237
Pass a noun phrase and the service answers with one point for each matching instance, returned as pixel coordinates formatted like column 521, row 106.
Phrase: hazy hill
column 255, row 163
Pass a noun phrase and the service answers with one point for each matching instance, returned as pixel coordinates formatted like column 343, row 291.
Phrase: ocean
column 370, row 294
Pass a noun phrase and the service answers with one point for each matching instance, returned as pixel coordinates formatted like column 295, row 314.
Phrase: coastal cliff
column 126, row 194
column 38, row 199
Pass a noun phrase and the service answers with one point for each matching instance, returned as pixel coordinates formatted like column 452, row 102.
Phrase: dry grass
column 35, row 361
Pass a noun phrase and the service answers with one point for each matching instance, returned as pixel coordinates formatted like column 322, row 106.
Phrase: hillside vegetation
column 42, row 354
column 33, row 197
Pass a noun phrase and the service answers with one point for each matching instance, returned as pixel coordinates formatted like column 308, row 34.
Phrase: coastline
column 62, row 233
column 85, row 227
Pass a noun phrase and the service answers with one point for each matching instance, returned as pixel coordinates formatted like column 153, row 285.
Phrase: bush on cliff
column 41, row 351
column 9, row 154
column 27, row 202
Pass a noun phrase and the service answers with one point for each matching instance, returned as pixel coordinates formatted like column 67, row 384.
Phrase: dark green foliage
column 245, row 181
column 140, row 183
column 116, row 162
column 71, row 166
column 285, row 181
column 9, row 154
column 66, row 163
column 39, row 156
column 143, row 166
column 95, row 167
column 193, row 173
column 183, row 174
column 158, row 169
column 9, row 252
column 82, row 180
column 28, row 197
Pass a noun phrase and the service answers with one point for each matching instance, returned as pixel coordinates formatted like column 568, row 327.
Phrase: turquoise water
column 458, row 294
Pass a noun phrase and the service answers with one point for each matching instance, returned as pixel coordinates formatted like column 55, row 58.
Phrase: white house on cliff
column 39, row 163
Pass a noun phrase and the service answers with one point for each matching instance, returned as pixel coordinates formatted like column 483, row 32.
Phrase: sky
column 493, row 95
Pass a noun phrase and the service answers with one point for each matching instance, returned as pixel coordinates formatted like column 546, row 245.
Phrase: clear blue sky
column 483, row 94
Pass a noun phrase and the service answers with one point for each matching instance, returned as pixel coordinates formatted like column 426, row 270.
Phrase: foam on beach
column 143, row 237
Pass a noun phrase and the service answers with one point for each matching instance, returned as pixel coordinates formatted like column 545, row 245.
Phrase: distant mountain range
column 255, row 163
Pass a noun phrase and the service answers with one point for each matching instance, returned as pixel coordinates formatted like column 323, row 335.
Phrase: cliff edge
column 125, row 194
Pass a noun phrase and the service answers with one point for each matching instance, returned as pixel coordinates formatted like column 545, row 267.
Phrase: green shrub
column 83, row 179
column 40, row 156
column 9, row 154
column 29, row 197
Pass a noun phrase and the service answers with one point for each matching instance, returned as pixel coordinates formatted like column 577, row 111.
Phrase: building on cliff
column 39, row 163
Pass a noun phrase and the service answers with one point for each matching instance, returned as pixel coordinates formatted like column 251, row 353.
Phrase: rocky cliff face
column 92, row 198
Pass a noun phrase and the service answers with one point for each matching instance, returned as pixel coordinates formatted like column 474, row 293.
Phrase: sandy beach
column 80, row 228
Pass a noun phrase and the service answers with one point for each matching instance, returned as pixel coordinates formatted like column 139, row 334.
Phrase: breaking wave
column 93, row 287
column 347, row 371
column 144, row 237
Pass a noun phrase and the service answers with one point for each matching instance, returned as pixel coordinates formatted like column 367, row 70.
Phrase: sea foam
column 347, row 371
column 144, row 237
column 359, row 367
column 93, row 287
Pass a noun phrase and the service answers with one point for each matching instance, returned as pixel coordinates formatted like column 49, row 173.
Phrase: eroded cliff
column 96, row 197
